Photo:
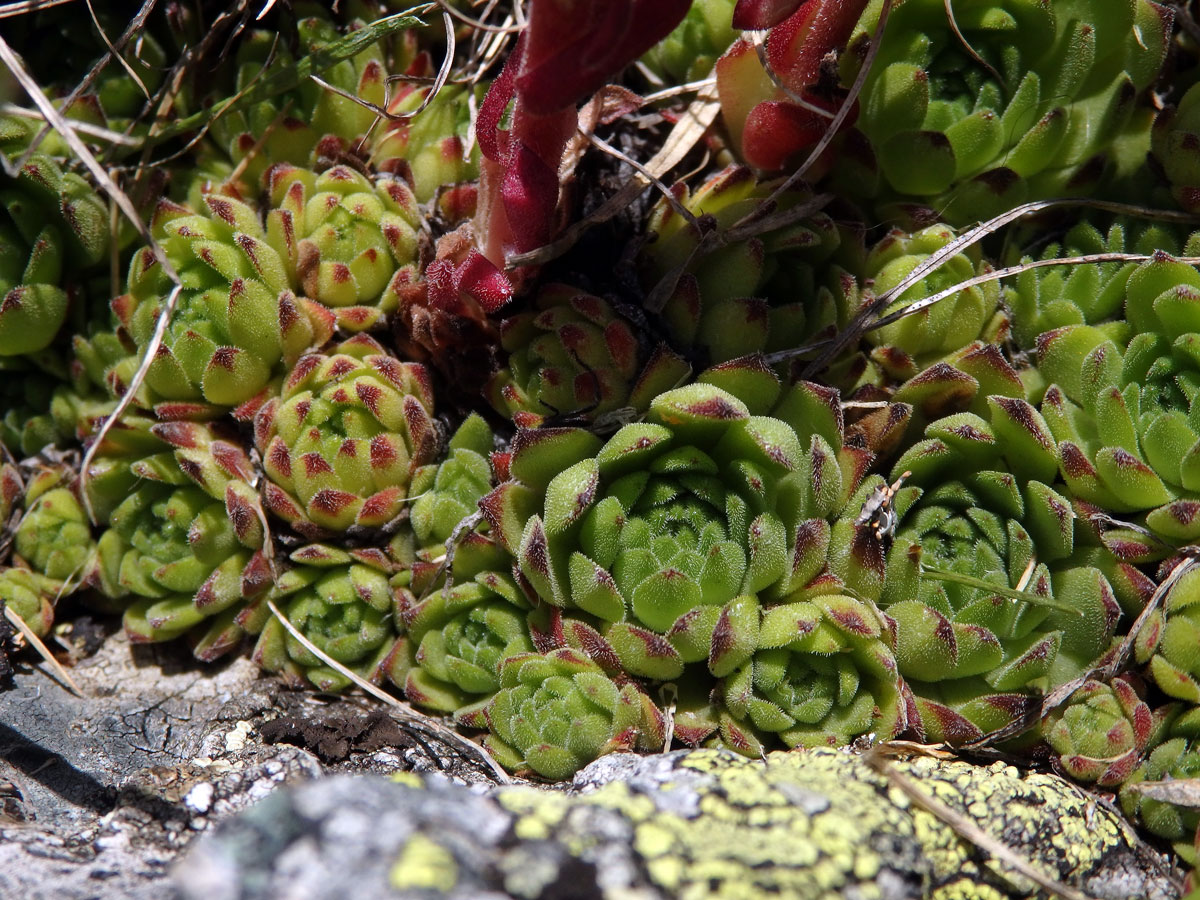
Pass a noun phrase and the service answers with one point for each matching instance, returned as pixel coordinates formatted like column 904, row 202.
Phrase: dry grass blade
column 1176, row 791
column 406, row 712
column 966, row 45
column 449, row 10
column 966, row 828
column 667, row 193
column 92, row 131
column 136, row 24
column 22, row 7
column 42, row 650
column 858, row 326
column 997, row 274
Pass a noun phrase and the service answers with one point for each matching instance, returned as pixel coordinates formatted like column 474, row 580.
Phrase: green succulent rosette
column 340, row 444
column 236, row 324
column 823, row 675
column 306, row 125
column 456, row 638
column 910, row 345
column 1169, row 641
column 54, row 537
column 574, row 355
column 30, row 596
column 183, row 545
column 1175, row 758
column 1101, row 733
column 1045, row 299
column 745, row 290
column 1000, row 101
column 53, row 227
column 674, row 521
column 990, row 607
column 556, row 712
column 431, row 149
column 690, row 51
column 343, row 605
column 1120, row 405
column 342, row 238
column 446, row 493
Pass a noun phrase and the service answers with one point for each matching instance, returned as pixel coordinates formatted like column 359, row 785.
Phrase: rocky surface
column 149, row 787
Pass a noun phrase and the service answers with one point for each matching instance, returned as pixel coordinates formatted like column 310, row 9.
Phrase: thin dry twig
column 21, row 7
column 997, row 274
column 967, row 829
column 449, row 735
column 42, row 650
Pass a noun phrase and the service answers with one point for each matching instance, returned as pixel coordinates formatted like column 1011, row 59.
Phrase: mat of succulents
column 570, row 377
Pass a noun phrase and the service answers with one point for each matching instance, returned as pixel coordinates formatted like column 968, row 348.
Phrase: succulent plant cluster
column 797, row 460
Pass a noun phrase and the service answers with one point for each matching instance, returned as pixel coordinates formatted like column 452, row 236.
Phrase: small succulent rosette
column 1120, row 405
column 902, row 349
column 183, row 549
column 741, row 285
column 662, row 551
column 431, row 148
column 342, row 238
column 47, row 541
column 574, row 356
column 555, row 712
column 989, row 606
column 1043, row 299
column 340, row 444
column 342, row 604
column 1101, row 733
column 1145, row 795
column 447, row 493
column 304, row 126
column 236, row 325
column 1169, row 641
column 690, row 51
column 53, row 228
column 974, row 113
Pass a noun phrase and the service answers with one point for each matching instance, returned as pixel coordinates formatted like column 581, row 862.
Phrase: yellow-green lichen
column 811, row 825
column 424, row 864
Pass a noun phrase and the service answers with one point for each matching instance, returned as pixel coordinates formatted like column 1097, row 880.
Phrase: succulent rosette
column 303, row 125
column 183, row 546
column 342, row 603
column 340, row 443
column 1176, row 758
column 910, row 345
column 1123, row 413
column 1169, row 641
column 31, row 596
column 342, row 238
column 555, row 712
column 1044, row 299
column 1001, row 101
column 1101, row 733
column 235, row 326
column 447, row 492
column 431, row 148
column 54, row 537
column 574, row 355
column 456, row 638
column 690, row 51
column 988, row 605
column 748, row 289
column 53, row 227
column 824, row 674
